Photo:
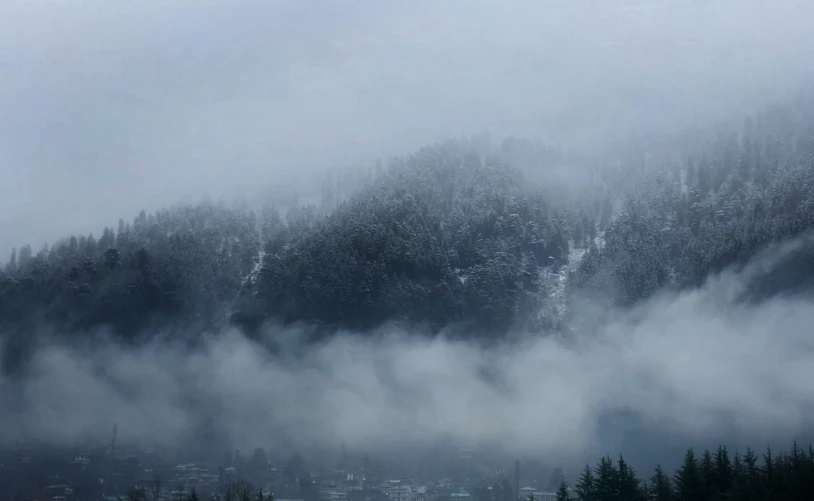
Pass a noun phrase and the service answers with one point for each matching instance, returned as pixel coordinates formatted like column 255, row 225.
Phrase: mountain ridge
column 454, row 234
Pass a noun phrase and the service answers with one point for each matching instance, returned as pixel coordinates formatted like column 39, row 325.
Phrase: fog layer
column 695, row 364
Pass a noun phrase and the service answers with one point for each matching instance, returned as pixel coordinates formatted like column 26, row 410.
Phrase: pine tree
column 628, row 484
column 586, row 486
column 660, row 487
column 689, row 485
column 607, row 485
column 723, row 472
column 644, row 492
column 707, row 475
column 797, row 471
column 740, row 486
column 751, row 471
column 769, row 474
column 562, row 492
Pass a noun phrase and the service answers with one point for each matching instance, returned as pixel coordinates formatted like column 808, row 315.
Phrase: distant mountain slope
column 448, row 234
column 687, row 221
column 442, row 237
column 453, row 234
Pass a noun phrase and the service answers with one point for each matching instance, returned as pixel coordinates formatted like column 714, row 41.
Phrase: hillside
column 442, row 236
column 688, row 220
column 454, row 234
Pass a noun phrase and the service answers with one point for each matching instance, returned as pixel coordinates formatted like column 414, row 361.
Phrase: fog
column 111, row 107
column 699, row 365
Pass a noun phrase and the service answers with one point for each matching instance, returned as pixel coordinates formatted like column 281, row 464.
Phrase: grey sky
column 110, row 107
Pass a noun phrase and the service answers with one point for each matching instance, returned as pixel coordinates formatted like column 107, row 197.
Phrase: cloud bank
column 698, row 364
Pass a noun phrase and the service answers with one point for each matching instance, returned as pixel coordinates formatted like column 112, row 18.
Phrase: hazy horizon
column 170, row 102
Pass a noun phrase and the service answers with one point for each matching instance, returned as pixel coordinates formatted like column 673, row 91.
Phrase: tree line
column 714, row 476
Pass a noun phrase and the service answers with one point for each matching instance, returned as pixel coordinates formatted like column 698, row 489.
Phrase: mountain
column 692, row 219
column 457, row 234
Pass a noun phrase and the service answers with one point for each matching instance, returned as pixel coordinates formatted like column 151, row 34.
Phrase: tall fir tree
column 689, row 484
column 607, row 484
column 562, row 493
column 708, row 476
column 723, row 473
column 585, row 487
column 660, row 486
column 628, row 484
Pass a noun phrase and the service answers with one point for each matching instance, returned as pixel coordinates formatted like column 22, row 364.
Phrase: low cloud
column 692, row 364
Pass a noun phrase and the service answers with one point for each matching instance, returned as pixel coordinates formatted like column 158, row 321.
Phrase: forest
column 712, row 476
column 460, row 233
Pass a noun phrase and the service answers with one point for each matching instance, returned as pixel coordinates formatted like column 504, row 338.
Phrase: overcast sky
column 108, row 107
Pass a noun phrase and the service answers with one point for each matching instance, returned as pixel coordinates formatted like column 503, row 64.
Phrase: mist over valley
column 387, row 243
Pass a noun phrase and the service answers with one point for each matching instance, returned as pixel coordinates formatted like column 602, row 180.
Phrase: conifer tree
column 769, row 484
column 586, row 486
column 660, row 487
column 707, row 475
column 689, row 483
column 628, row 484
column 607, row 485
column 562, row 492
column 723, row 472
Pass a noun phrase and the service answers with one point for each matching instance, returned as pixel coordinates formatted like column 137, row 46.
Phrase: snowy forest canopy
column 456, row 234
